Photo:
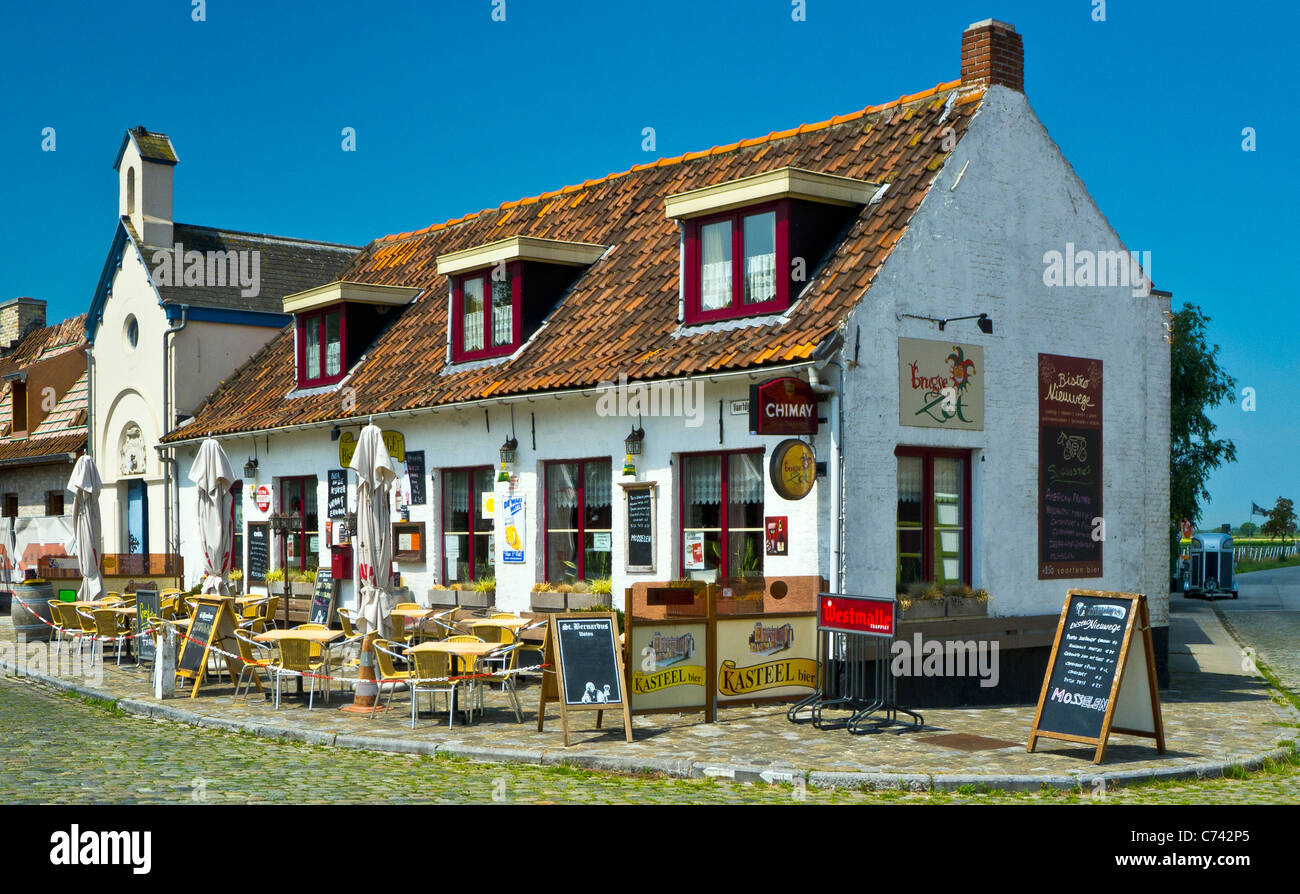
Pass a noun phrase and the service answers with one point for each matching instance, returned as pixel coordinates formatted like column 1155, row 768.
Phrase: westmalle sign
column 785, row 406
column 856, row 614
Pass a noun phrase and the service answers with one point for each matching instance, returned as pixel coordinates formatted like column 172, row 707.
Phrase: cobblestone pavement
column 44, row 731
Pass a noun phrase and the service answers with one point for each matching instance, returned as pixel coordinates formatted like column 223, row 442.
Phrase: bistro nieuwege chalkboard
column 1069, row 467
column 322, row 599
column 338, row 493
column 258, row 535
column 415, row 472
column 1100, row 674
column 640, row 528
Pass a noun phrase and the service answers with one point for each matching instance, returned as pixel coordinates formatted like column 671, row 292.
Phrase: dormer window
column 335, row 324
column 501, row 291
column 742, row 239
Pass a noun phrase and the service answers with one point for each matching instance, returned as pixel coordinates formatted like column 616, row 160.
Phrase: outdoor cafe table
column 316, row 636
column 458, row 651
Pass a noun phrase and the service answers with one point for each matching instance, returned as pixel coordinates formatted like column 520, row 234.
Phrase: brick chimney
column 17, row 317
column 991, row 53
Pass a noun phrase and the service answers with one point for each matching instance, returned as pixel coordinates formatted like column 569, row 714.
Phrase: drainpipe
column 168, row 458
column 834, row 469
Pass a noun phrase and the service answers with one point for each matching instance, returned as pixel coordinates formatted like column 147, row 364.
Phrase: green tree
column 1248, row 529
column 1281, row 524
column 1198, row 384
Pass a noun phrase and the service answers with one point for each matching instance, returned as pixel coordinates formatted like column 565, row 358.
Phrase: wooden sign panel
column 1069, row 467
column 586, row 668
column 1100, row 678
column 258, row 538
column 212, row 624
column 147, row 606
column 640, row 529
column 322, row 599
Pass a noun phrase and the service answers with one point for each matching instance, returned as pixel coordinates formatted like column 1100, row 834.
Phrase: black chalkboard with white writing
column 587, row 652
column 640, row 528
column 147, row 605
column 415, row 472
column 258, row 536
column 322, row 599
column 338, row 493
column 1084, row 664
column 197, row 637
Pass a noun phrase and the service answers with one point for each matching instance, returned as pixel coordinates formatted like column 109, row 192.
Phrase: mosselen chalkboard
column 583, row 668
column 640, row 527
column 147, row 605
column 258, row 536
column 337, row 499
column 415, row 472
column 1103, row 640
column 322, row 599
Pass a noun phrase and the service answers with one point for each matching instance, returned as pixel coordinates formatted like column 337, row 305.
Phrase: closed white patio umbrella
column 375, row 477
column 85, row 486
column 212, row 477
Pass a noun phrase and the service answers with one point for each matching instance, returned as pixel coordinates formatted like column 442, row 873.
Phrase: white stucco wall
column 566, row 429
column 979, row 248
column 207, row 353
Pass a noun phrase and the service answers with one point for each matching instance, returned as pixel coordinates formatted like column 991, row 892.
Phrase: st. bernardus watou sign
column 940, row 384
column 785, row 406
column 1070, row 526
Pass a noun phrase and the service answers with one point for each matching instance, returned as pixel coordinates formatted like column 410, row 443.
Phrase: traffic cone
column 366, row 692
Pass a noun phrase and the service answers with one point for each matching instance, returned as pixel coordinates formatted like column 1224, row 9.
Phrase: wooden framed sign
column 258, row 536
column 585, row 670
column 641, row 514
column 147, row 606
column 322, row 599
column 212, row 624
column 1101, row 675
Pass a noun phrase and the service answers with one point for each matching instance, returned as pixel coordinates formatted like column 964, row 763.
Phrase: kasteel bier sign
column 1069, row 467
column 785, row 406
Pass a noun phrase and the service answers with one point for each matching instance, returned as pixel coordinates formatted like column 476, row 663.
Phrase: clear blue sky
column 455, row 112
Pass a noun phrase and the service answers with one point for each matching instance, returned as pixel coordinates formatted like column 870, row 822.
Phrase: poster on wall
column 940, row 384
column 515, row 531
column 1070, row 527
column 338, row 493
column 694, row 551
column 415, row 472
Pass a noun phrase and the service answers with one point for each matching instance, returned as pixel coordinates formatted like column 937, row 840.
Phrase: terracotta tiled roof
column 47, row 341
column 63, row 430
column 621, row 314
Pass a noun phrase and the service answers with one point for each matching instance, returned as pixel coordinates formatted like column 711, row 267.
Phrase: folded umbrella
column 85, row 486
column 212, row 476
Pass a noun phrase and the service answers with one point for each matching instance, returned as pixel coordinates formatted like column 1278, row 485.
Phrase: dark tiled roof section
column 46, row 341
column 154, row 146
column 35, row 448
column 286, row 266
column 621, row 314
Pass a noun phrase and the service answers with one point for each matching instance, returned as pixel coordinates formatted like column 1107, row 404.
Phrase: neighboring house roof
column 620, row 316
column 285, row 266
column 63, row 430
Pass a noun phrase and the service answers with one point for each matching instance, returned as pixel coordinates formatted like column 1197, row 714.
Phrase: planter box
column 546, row 601
column 583, row 602
column 442, row 598
column 925, row 609
column 302, row 588
column 475, row 599
column 966, row 606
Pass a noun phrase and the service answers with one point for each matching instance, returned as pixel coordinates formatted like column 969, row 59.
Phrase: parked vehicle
column 1209, row 569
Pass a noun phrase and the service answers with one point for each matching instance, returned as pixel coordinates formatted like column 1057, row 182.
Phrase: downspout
column 834, row 470
column 168, row 459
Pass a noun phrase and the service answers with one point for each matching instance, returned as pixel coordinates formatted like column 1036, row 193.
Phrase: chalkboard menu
column 1069, row 467
column 338, row 493
column 322, row 599
column 640, row 529
column 1101, row 675
column 415, row 472
column 588, row 657
column 258, row 538
column 147, row 606
column 196, row 638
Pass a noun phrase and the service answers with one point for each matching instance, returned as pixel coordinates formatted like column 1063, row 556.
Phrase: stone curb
column 681, row 768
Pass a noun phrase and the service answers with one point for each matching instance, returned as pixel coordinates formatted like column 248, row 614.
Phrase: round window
column 131, row 331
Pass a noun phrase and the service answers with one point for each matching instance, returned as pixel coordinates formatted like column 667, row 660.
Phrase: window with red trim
column 722, row 515
column 579, row 520
column 462, row 491
column 486, row 320
column 934, row 516
column 322, row 346
column 738, row 263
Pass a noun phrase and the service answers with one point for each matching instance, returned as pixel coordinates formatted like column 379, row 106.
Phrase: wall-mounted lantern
column 250, row 471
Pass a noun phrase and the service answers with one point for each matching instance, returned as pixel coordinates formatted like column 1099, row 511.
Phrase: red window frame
column 737, row 308
column 582, row 511
column 473, row 510
column 724, row 511
column 317, row 318
column 299, row 486
column 928, row 456
column 458, row 352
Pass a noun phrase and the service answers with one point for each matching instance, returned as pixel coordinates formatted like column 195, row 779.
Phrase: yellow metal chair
column 268, row 611
column 296, row 658
column 429, row 675
column 385, row 664
column 106, row 628
column 255, row 656
column 57, row 621
column 503, row 656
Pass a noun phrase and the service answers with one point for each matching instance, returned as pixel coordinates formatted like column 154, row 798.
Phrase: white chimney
column 144, row 172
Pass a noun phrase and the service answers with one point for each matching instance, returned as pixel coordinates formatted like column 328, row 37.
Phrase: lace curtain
column 562, row 482
column 910, row 486
column 760, row 278
column 715, row 265
column 502, row 313
column 745, row 484
column 472, row 299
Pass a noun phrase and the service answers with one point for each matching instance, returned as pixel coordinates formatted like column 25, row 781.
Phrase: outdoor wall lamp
column 509, row 451
column 250, row 470
column 633, row 441
column 335, row 432
column 984, row 321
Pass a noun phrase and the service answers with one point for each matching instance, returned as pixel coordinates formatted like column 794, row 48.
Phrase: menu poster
column 257, row 541
column 640, row 529
column 338, row 493
column 694, row 551
column 1069, row 467
column 415, row 472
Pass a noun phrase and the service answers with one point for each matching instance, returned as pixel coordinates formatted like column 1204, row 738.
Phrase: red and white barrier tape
column 75, row 634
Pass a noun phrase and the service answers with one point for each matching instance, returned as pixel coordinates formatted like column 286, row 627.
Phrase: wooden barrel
column 31, row 604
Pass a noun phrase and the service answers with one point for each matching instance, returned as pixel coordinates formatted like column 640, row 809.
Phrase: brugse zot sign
column 785, row 406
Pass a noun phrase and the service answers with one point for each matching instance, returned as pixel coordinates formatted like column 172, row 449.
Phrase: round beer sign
column 263, row 498
column 793, row 469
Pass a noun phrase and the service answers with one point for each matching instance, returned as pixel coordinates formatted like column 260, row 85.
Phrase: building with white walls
column 982, row 366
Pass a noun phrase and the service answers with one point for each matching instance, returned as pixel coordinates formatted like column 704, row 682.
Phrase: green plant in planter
column 235, row 576
column 485, row 585
column 542, row 587
column 275, row 576
column 309, row 576
column 602, row 586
